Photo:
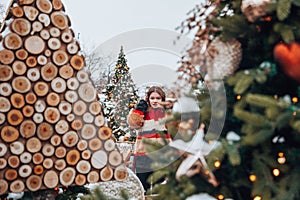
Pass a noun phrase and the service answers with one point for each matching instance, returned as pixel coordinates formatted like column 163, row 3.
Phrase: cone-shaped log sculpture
column 51, row 124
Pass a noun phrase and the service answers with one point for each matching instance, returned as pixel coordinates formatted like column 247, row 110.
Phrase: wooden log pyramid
column 52, row 131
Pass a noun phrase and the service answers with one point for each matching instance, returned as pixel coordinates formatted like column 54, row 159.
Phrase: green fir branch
column 232, row 152
column 296, row 2
column 257, row 138
column 283, row 9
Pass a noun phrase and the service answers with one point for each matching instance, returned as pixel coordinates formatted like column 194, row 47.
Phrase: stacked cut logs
column 52, row 129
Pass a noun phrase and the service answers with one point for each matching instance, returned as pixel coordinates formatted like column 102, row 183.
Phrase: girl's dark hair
column 157, row 90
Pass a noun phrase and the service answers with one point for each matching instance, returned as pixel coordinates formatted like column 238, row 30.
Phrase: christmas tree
column 121, row 67
column 252, row 48
column 121, row 97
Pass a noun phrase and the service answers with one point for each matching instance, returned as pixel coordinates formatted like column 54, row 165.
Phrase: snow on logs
column 52, row 129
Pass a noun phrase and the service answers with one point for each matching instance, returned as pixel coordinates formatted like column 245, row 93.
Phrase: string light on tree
column 281, row 154
column 276, row 172
column 295, row 100
column 257, row 198
column 220, row 197
column 238, row 97
column 252, row 178
column 281, row 158
column 217, row 164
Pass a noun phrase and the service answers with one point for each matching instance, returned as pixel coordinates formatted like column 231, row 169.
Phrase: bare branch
column 100, row 67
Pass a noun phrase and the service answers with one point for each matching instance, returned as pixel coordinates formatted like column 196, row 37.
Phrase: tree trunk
column 21, row 54
column 34, row 183
column 49, row 72
column 31, row 12
column 21, row 26
column 34, row 45
column 44, row 6
column 19, row 67
column 12, row 41
column 17, row 11
column 106, row 173
column 31, row 61
column 27, row 129
column 95, row 144
column 51, row 179
column 6, row 56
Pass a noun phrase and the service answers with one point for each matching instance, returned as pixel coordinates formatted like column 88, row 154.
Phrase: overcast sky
column 99, row 22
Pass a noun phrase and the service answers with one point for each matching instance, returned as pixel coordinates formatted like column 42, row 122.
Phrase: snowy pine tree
column 121, row 97
column 121, row 67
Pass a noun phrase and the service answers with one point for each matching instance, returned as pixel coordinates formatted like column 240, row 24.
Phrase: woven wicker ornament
column 223, row 58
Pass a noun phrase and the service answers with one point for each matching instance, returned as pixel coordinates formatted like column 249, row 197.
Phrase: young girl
column 147, row 119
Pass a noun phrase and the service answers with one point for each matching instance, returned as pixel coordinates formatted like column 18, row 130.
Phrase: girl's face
column 154, row 100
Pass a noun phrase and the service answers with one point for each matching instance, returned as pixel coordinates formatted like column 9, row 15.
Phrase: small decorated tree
column 121, row 97
column 121, row 67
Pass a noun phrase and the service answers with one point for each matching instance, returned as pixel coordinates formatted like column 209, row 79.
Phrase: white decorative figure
column 197, row 149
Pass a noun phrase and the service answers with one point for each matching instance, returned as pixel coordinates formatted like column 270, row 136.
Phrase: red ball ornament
column 288, row 56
